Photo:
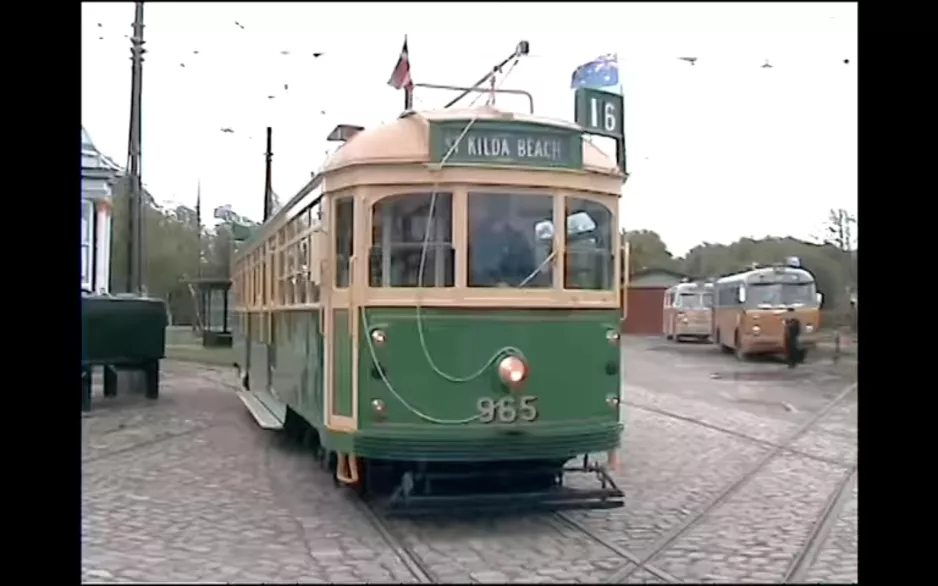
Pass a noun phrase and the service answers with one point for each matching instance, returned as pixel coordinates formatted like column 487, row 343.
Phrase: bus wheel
column 740, row 354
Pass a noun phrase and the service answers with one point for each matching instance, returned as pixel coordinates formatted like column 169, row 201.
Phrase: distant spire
column 198, row 226
column 198, row 204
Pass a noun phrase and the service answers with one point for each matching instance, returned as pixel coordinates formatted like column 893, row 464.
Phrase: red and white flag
column 400, row 78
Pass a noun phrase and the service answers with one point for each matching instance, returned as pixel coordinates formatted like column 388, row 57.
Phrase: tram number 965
column 507, row 409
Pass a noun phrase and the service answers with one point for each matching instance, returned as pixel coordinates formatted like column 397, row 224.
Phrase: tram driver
column 500, row 253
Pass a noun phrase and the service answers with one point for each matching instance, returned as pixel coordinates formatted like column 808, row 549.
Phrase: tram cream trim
column 396, row 176
column 485, row 297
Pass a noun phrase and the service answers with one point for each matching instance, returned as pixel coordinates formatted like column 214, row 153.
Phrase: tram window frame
column 603, row 251
column 315, row 242
column 344, row 240
column 483, row 209
column 394, row 254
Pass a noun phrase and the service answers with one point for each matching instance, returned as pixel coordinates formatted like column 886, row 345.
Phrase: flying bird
column 284, row 52
column 196, row 52
column 286, row 86
column 183, row 65
column 846, row 62
column 227, row 130
column 239, row 25
column 766, row 65
column 271, row 97
column 691, row 60
column 100, row 25
column 317, row 54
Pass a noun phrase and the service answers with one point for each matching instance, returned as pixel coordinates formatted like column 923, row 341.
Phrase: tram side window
column 400, row 227
column 344, row 237
column 511, row 240
column 589, row 257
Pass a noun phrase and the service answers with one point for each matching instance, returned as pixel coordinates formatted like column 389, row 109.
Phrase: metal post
column 268, row 205
column 269, row 155
column 136, row 202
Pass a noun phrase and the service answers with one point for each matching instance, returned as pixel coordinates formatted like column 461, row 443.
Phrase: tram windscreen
column 781, row 294
column 590, row 257
column 507, row 247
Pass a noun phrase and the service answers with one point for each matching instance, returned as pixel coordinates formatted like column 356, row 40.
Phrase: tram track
column 738, row 434
column 632, row 558
column 148, row 443
column 807, row 555
column 411, row 560
column 643, row 561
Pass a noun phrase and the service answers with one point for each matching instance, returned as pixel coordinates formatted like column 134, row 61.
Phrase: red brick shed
column 645, row 301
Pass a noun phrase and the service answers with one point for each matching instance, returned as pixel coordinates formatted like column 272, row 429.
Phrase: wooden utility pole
column 136, row 207
column 268, row 191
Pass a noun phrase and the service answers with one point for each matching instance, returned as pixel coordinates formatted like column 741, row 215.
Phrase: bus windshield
column 782, row 294
column 694, row 301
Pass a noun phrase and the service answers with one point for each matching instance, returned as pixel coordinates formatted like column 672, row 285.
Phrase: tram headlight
column 377, row 405
column 613, row 401
column 809, row 328
column 612, row 336
column 513, row 371
column 379, row 337
column 756, row 330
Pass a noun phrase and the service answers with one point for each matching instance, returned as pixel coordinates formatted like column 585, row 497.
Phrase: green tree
column 648, row 251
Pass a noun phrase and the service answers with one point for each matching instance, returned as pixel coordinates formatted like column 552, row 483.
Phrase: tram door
column 340, row 319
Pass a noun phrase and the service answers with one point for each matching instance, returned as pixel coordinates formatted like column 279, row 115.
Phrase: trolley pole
column 136, row 204
column 268, row 157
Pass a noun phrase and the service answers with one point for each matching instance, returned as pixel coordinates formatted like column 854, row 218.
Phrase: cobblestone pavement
column 187, row 488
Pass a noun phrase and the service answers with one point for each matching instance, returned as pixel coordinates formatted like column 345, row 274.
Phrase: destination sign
column 506, row 143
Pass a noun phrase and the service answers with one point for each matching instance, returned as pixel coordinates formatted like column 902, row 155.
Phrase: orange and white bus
column 750, row 309
column 688, row 311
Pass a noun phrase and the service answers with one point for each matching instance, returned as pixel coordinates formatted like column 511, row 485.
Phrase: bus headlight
column 612, row 336
column 613, row 401
column 513, row 371
column 379, row 337
column 756, row 330
column 809, row 328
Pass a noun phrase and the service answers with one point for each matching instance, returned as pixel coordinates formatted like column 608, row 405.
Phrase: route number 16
column 599, row 112
column 609, row 115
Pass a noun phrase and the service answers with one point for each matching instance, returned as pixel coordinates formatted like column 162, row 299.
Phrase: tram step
column 266, row 409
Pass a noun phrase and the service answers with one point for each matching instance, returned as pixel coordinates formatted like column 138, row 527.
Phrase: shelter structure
column 213, row 308
column 97, row 179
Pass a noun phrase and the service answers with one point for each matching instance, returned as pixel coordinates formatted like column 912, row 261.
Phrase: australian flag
column 600, row 72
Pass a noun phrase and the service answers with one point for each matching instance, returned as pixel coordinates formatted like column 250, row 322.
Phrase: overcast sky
column 719, row 150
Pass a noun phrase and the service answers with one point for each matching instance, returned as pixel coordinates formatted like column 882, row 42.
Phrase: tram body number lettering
column 507, row 409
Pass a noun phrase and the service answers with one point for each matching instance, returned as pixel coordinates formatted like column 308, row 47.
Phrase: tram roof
column 407, row 139
column 759, row 274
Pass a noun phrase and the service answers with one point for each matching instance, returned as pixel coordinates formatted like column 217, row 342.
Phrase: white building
column 97, row 176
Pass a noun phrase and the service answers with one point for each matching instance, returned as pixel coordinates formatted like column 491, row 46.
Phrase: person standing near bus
column 793, row 354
